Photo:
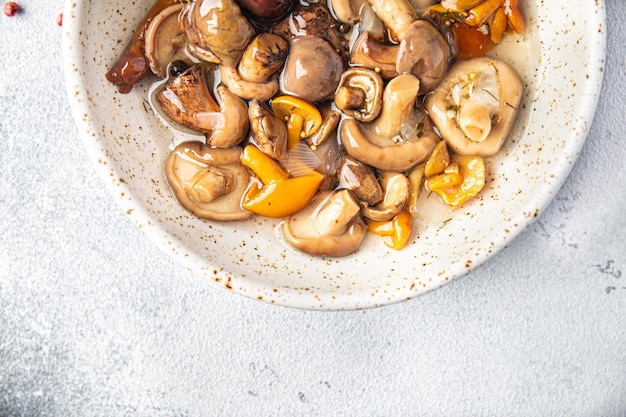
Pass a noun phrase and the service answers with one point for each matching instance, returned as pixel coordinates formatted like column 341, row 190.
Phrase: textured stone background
column 96, row 321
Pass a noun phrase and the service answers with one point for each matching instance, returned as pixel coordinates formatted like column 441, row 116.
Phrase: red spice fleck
column 11, row 8
column 60, row 19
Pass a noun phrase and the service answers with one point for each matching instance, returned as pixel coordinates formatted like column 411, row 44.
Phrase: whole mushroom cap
column 313, row 69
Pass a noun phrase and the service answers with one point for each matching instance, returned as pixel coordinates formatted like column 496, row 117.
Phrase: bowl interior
column 128, row 146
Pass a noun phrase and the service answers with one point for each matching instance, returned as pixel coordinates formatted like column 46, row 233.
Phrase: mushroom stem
column 397, row 15
column 398, row 103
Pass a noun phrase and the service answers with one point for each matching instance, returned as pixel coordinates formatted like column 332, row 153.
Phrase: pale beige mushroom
column 397, row 15
column 396, row 187
column 347, row 11
column 331, row 225
column 209, row 182
column 400, row 138
column 476, row 105
column 376, row 55
column 165, row 40
column 229, row 126
column 360, row 94
column 248, row 90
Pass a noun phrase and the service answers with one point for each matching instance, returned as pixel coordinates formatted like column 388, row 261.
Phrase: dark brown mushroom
column 361, row 180
column 313, row 69
column 186, row 95
column 312, row 20
column 133, row 66
column 209, row 182
column 269, row 132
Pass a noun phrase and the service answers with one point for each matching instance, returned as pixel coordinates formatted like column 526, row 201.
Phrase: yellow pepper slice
column 472, row 169
column 264, row 167
column 438, row 160
column 280, row 194
column 294, row 129
column 397, row 229
column 291, row 109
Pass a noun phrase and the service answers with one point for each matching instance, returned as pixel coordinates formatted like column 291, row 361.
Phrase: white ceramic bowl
column 560, row 59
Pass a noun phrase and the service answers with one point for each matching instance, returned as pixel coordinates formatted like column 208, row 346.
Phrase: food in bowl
column 333, row 118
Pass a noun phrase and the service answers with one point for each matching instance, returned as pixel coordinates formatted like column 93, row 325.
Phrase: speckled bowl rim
column 362, row 295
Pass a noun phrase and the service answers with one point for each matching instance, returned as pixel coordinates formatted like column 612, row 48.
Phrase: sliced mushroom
column 330, row 120
column 132, row 66
column 209, row 182
column 400, row 138
column 425, row 53
column 269, row 132
column 186, row 95
column 397, row 15
column 360, row 94
column 246, row 89
column 376, row 55
column 263, row 57
column 313, row 69
column 229, row 126
column 361, row 180
column 165, row 40
column 216, row 30
column 397, row 188
column 476, row 105
column 329, row 226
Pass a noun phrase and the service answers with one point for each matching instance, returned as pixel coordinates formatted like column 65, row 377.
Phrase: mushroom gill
column 476, row 105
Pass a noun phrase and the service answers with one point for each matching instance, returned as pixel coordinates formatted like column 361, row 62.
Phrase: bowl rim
column 81, row 109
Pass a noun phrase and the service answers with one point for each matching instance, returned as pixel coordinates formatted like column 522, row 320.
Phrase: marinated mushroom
column 360, row 94
column 330, row 120
column 347, row 11
column 425, row 53
column 186, row 95
column 229, row 126
column 313, row 69
column 165, row 40
column 330, row 225
column 476, row 105
column 360, row 180
column 248, row 90
column 396, row 187
column 376, row 55
column 263, row 57
column 400, row 138
column 133, row 66
column 216, row 30
column 269, row 132
column 312, row 20
column 209, row 182
column 397, row 15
